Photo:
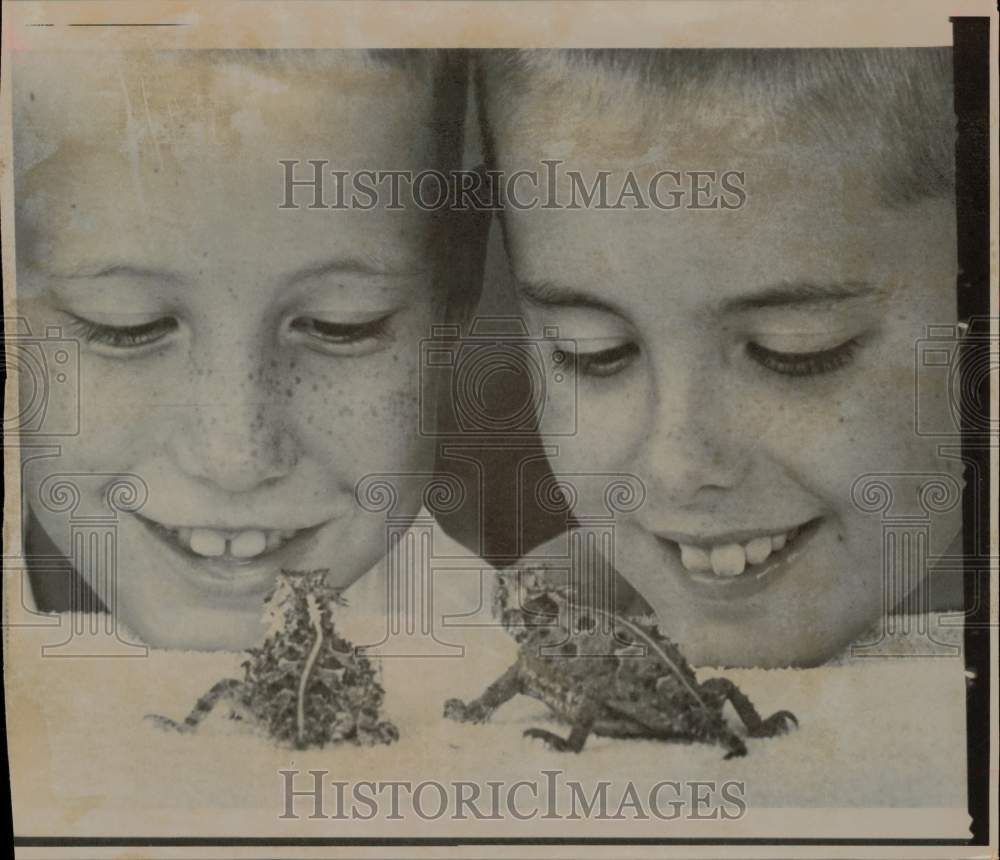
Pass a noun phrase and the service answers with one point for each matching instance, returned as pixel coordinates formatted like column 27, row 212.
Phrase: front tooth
column 694, row 558
column 274, row 539
column 184, row 535
column 248, row 544
column 729, row 560
column 778, row 542
column 758, row 550
column 207, row 542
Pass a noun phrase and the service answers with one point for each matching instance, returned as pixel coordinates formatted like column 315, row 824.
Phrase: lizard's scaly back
column 520, row 591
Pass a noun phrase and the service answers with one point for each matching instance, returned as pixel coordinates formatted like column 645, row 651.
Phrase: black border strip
column 972, row 149
column 972, row 192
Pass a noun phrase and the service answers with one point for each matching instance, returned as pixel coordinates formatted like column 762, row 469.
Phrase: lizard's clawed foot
column 737, row 748
column 388, row 733
column 778, row 723
column 552, row 740
column 382, row 733
column 456, row 709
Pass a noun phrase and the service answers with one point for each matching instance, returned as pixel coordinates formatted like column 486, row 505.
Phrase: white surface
column 881, row 734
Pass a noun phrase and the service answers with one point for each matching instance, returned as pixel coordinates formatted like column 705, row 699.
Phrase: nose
column 234, row 435
column 694, row 449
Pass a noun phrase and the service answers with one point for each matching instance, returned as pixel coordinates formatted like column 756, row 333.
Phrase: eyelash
column 610, row 362
column 123, row 337
column 342, row 334
column 601, row 364
column 804, row 363
column 135, row 337
column 607, row 362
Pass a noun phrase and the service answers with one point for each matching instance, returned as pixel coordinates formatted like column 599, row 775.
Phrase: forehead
column 166, row 156
column 813, row 209
column 181, row 102
column 590, row 115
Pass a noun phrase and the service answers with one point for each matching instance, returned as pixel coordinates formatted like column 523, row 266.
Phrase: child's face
column 249, row 364
column 747, row 365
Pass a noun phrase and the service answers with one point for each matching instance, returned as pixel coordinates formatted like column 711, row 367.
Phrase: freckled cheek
column 830, row 443
column 122, row 416
column 363, row 414
column 872, row 428
column 823, row 453
column 600, row 430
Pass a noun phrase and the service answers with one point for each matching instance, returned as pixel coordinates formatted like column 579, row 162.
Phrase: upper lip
column 704, row 538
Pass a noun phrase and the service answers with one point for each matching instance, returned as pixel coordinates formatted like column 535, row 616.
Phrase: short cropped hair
column 898, row 100
column 443, row 73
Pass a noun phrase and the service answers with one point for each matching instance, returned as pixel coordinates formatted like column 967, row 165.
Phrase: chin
column 169, row 598
column 193, row 628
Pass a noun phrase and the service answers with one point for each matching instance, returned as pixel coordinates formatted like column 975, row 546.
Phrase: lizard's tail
column 316, row 619
column 654, row 647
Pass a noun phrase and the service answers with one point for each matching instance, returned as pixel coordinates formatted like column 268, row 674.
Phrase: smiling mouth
column 233, row 546
column 729, row 560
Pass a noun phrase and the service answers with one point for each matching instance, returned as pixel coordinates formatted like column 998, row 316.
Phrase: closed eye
column 342, row 338
column 123, row 337
column 607, row 362
column 804, row 363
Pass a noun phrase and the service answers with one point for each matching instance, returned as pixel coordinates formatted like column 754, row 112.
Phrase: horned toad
column 605, row 673
column 305, row 685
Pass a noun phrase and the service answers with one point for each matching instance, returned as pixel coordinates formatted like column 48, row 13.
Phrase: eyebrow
column 799, row 293
column 791, row 294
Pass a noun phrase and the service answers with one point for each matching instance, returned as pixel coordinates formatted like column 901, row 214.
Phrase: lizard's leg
column 503, row 689
column 732, row 742
column 370, row 730
column 709, row 726
column 225, row 689
column 776, row 724
column 583, row 723
column 383, row 732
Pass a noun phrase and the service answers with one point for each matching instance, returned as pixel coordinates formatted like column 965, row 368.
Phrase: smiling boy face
column 748, row 365
column 249, row 363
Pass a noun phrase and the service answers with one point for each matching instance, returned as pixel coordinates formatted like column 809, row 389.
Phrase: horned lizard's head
column 289, row 597
column 530, row 601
